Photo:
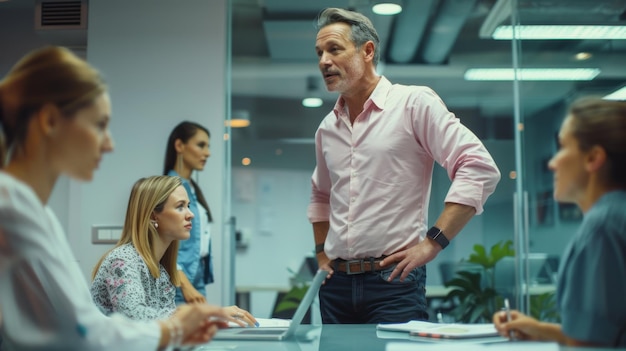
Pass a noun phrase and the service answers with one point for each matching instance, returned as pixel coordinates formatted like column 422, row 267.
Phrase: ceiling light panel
column 560, row 32
column 545, row 74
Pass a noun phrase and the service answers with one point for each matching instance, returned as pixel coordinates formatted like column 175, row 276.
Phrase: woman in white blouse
column 54, row 117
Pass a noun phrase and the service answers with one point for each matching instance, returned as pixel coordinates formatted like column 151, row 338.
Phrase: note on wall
column 266, row 219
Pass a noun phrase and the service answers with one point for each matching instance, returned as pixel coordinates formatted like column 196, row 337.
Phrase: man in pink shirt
column 370, row 190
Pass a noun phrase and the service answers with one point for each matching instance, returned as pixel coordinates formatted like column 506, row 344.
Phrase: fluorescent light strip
column 545, row 32
column 387, row 9
column 312, row 102
column 532, row 74
column 619, row 94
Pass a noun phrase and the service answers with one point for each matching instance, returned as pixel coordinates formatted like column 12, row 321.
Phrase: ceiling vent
column 51, row 14
column 63, row 23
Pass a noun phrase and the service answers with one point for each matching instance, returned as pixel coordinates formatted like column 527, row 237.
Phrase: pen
column 507, row 309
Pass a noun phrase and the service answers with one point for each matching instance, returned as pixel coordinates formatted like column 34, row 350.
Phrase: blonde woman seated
column 138, row 276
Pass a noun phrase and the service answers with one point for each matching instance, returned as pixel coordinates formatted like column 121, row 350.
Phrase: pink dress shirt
column 372, row 180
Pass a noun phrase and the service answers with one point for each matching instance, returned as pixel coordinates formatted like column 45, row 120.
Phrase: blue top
column 592, row 279
column 189, row 250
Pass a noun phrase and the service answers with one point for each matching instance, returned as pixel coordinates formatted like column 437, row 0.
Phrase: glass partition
column 492, row 77
column 575, row 60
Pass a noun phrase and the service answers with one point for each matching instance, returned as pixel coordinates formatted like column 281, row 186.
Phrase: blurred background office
column 248, row 67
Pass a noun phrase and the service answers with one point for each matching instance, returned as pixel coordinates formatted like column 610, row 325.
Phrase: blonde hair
column 51, row 75
column 148, row 195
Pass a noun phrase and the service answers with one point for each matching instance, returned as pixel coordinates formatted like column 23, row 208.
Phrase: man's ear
column 179, row 146
column 49, row 119
column 368, row 50
column 595, row 158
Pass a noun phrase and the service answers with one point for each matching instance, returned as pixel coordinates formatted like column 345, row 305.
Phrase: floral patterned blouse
column 124, row 284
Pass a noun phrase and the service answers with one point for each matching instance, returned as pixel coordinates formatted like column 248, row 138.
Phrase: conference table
column 362, row 337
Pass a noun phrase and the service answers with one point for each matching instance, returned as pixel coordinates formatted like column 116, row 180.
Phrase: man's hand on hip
column 324, row 263
column 411, row 258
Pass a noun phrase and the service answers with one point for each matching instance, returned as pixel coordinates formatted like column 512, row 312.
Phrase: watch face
column 437, row 235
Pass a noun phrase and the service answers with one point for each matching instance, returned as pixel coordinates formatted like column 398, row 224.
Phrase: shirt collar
column 378, row 97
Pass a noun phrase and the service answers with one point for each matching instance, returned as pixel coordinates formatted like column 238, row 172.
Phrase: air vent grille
column 61, row 15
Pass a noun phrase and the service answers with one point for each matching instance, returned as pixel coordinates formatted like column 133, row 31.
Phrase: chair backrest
column 448, row 269
column 505, row 271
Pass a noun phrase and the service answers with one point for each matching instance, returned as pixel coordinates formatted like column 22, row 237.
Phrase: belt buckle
column 349, row 272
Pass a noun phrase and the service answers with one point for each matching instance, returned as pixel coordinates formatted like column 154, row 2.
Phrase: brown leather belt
column 358, row 266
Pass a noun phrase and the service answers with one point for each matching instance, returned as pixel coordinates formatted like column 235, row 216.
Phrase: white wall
column 17, row 36
column 164, row 63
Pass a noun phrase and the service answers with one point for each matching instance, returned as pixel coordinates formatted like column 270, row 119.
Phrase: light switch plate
column 105, row 234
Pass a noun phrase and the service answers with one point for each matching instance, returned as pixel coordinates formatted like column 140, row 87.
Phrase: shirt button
column 352, row 199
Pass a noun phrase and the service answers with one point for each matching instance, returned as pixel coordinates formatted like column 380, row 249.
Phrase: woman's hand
column 196, row 323
column 521, row 326
column 192, row 295
column 241, row 315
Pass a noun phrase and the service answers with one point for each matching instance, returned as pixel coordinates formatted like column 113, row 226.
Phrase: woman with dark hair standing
column 187, row 151
column 54, row 120
column 590, row 171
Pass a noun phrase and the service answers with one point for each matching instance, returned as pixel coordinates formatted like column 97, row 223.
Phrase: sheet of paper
column 407, row 327
column 463, row 346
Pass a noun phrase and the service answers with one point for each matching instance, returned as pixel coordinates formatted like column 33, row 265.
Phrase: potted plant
column 473, row 289
column 287, row 303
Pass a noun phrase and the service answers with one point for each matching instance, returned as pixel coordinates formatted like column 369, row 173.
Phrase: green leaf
column 479, row 256
column 292, row 299
column 472, row 291
column 286, row 306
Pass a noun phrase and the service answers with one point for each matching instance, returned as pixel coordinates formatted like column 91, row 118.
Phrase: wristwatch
column 437, row 235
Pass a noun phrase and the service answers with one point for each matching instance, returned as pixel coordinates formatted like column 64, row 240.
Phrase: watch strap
column 437, row 235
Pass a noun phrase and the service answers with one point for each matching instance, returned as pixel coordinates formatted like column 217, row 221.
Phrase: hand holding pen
column 507, row 310
column 516, row 325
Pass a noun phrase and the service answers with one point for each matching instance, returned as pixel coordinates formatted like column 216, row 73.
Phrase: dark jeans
column 370, row 298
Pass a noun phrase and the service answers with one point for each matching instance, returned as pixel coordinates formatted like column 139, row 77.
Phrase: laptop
column 277, row 333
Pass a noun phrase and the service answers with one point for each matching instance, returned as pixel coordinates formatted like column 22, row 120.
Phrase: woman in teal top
column 590, row 171
column 188, row 150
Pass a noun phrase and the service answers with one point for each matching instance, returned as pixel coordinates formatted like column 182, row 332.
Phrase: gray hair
column 362, row 28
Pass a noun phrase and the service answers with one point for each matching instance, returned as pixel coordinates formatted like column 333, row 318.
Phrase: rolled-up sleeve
column 319, row 207
column 469, row 165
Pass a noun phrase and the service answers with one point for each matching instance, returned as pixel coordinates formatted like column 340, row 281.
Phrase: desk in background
column 440, row 291
column 433, row 293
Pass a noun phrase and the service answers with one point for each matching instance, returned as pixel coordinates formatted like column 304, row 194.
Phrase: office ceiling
column 431, row 42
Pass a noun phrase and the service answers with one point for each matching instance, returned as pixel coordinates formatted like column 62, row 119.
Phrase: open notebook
column 277, row 333
column 442, row 331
